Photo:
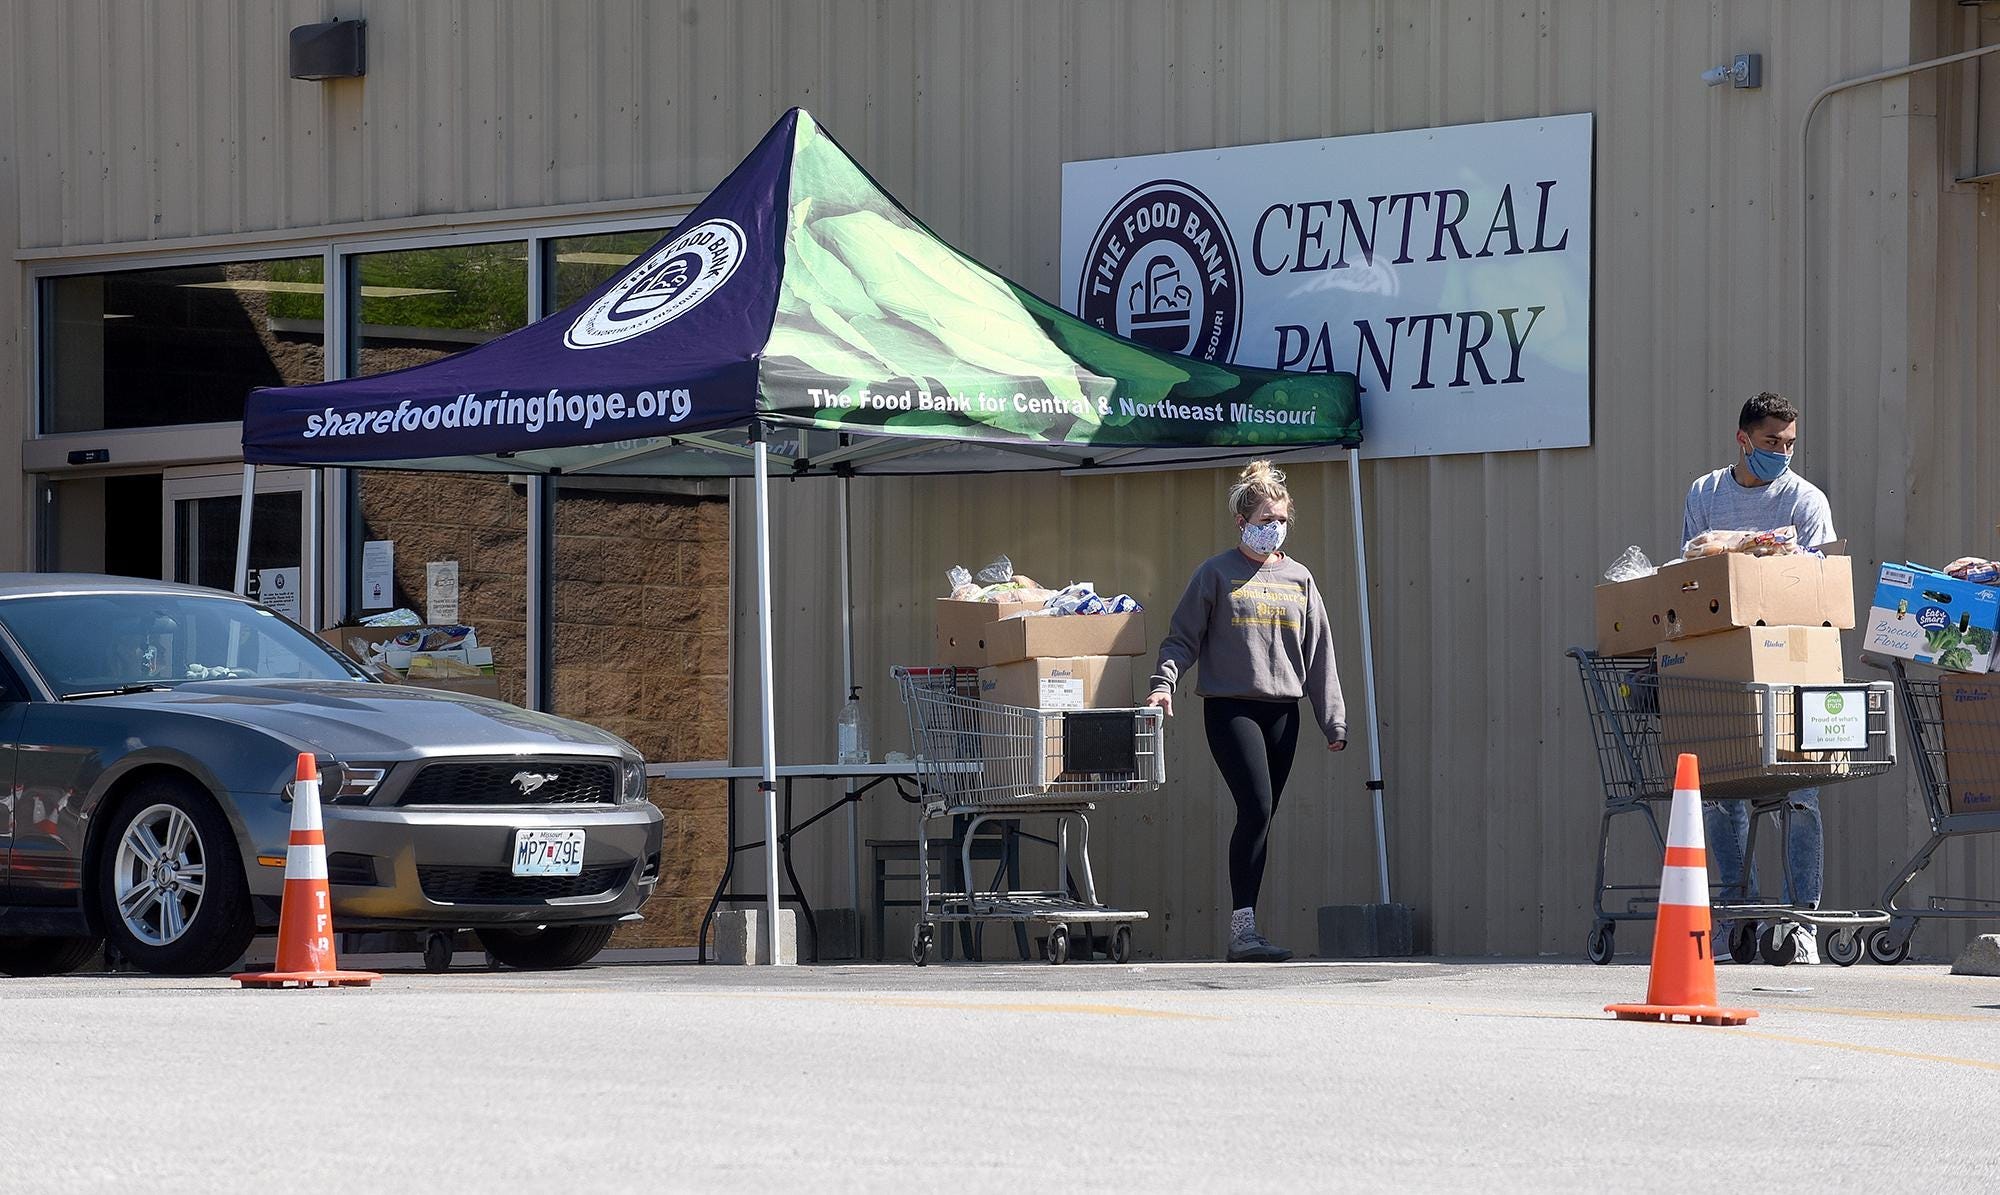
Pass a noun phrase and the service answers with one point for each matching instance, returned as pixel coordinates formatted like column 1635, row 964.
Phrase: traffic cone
column 305, row 919
column 1683, row 976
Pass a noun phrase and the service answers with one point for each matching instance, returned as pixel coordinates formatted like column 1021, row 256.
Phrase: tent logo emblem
column 1162, row 270
column 670, row 282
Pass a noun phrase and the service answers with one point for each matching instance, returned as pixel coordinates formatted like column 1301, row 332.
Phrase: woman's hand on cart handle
column 1161, row 701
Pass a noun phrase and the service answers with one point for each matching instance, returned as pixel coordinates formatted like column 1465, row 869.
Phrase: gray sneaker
column 1255, row 949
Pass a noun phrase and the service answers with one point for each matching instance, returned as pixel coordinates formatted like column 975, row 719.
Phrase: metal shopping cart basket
column 981, row 761
column 1954, row 731
column 1756, row 744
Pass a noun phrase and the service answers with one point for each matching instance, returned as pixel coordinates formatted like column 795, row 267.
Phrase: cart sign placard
column 1448, row 268
column 1833, row 719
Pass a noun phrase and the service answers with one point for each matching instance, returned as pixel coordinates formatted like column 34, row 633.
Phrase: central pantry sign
column 1448, row 268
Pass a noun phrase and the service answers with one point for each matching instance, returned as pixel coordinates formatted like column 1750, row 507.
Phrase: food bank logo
column 668, row 284
column 1162, row 270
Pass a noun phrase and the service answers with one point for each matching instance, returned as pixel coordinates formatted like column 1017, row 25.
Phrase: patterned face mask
column 1264, row 538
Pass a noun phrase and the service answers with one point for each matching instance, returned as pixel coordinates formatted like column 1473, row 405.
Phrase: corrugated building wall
column 172, row 127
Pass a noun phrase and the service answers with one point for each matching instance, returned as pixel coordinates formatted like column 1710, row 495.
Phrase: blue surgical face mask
column 1768, row 466
column 1264, row 538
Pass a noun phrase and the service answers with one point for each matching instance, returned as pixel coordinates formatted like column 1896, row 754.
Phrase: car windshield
column 105, row 642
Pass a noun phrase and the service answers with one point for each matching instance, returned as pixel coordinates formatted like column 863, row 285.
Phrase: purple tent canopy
column 799, row 295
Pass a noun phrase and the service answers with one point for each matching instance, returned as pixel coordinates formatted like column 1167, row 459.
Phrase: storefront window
column 185, row 344
column 418, row 305
column 577, row 265
column 479, row 523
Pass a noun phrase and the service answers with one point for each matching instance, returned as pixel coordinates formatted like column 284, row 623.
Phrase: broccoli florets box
column 1923, row 615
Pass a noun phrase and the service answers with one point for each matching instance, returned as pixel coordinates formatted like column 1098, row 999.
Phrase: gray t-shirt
column 1718, row 502
column 1260, row 631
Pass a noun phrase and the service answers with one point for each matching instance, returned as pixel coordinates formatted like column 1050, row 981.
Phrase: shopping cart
column 1754, row 746
column 1970, row 747
column 980, row 761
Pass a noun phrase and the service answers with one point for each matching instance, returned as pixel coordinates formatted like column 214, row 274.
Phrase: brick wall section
column 642, row 635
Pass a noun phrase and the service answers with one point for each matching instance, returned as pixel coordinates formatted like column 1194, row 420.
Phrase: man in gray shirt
column 1760, row 493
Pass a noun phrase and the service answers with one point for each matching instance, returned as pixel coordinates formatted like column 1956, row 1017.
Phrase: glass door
column 200, row 511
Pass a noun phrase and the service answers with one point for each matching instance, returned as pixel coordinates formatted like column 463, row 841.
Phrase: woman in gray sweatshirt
column 1253, row 618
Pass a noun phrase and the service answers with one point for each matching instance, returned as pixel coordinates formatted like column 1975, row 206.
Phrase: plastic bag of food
column 1630, row 566
column 1780, row 541
column 999, row 572
column 1976, row 569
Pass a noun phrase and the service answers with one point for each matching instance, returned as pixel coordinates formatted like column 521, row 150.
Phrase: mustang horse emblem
column 530, row 781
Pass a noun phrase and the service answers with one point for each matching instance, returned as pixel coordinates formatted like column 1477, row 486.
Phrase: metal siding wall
column 175, row 120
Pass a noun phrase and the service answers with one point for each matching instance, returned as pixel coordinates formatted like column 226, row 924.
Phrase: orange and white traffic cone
column 305, row 920
column 1683, row 976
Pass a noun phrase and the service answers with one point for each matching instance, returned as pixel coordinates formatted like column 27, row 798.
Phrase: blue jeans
column 1728, row 827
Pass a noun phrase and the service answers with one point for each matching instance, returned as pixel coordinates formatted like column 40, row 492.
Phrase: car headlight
column 632, row 789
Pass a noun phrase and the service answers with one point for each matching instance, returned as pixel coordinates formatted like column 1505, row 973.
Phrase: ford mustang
column 149, row 734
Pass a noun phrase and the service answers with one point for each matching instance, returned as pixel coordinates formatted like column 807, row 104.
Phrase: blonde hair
column 1257, row 484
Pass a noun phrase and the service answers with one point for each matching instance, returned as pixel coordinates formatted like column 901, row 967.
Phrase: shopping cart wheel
column 1778, row 948
column 1844, row 947
column 1121, row 944
column 1602, row 942
column 1058, row 944
column 920, row 945
column 1886, row 948
column 1743, row 942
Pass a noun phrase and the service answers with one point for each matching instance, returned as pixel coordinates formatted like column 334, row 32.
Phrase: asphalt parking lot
column 1438, row 1075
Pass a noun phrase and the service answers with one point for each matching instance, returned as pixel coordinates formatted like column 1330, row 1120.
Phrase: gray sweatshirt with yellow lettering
column 1259, row 631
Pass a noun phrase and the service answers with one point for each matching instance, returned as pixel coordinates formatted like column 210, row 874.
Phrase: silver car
column 151, row 732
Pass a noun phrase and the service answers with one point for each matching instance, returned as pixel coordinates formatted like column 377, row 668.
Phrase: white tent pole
column 846, row 687
column 767, row 717
column 1368, row 672
column 243, row 529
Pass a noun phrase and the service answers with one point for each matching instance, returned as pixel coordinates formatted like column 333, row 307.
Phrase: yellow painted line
column 1463, row 1010
column 1884, row 1051
column 1884, row 1014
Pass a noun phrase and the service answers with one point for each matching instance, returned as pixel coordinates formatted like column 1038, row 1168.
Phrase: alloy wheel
column 160, row 874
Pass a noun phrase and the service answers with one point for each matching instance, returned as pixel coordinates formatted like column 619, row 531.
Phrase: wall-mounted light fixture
column 1745, row 70
column 333, row 50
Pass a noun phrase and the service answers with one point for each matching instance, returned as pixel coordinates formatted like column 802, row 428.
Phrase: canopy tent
column 801, row 310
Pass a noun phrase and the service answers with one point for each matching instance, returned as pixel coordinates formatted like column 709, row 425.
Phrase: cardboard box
column 1772, row 655
column 978, row 634
column 1629, row 619
column 1721, row 593
column 1971, row 708
column 1065, row 683
column 345, row 639
column 1918, row 614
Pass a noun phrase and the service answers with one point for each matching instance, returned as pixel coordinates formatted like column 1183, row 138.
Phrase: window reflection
column 575, row 266
column 185, row 344
column 420, row 305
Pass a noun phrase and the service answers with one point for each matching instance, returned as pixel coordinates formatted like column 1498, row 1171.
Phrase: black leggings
column 1253, row 743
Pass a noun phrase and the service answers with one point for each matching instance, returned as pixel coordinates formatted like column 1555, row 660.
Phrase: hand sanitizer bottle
column 852, row 729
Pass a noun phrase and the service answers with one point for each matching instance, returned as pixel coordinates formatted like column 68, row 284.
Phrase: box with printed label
column 1722, row 593
column 1069, row 683
column 1971, row 709
column 1772, row 655
column 1934, row 619
column 982, row 633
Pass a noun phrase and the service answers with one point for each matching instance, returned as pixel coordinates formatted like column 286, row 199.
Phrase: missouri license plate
column 548, row 852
